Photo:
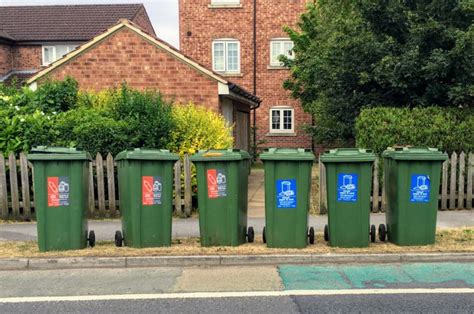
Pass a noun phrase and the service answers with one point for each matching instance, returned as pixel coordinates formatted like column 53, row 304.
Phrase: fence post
column 111, row 185
column 187, row 186
column 99, row 167
column 177, row 188
column 462, row 170
column 470, row 170
column 14, row 186
column 91, row 190
column 444, row 186
column 323, row 209
column 375, row 187
column 452, row 185
column 3, row 189
column 25, row 187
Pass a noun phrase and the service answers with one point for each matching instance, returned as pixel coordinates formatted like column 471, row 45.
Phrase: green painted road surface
column 377, row 276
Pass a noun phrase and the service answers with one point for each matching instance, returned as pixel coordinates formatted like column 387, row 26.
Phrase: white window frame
column 226, row 42
column 69, row 48
column 225, row 2
column 53, row 49
column 282, row 41
column 282, row 129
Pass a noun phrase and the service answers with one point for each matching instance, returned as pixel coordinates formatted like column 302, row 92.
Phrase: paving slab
column 230, row 279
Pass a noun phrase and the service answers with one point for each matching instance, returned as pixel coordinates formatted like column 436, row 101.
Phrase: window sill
column 230, row 74
column 277, row 67
column 225, row 6
column 281, row 134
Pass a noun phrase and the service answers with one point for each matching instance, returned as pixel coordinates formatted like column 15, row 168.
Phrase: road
column 418, row 287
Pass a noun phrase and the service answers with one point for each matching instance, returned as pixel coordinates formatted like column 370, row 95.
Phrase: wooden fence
column 455, row 190
column 17, row 193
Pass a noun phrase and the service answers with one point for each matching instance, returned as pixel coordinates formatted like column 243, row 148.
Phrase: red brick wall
column 5, row 59
column 125, row 56
column 206, row 24
column 27, row 57
column 142, row 20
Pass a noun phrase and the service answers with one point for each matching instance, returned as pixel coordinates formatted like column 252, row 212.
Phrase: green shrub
column 198, row 128
column 93, row 131
column 54, row 96
column 449, row 129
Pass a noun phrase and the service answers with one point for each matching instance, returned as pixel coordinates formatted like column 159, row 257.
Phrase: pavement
column 183, row 228
column 285, row 288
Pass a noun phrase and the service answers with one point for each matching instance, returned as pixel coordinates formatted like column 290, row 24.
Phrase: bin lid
column 292, row 154
column 414, row 153
column 220, row 154
column 348, row 155
column 57, row 153
column 146, row 154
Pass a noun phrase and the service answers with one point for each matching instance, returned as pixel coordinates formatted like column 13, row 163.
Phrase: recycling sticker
column 347, row 187
column 151, row 190
column 216, row 183
column 286, row 193
column 420, row 188
column 58, row 191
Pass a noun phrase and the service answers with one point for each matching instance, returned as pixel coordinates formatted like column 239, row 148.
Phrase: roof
column 62, row 22
column 153, row 40
column 5, row 35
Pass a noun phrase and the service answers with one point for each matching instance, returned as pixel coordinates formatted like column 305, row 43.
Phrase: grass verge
column 447, row 240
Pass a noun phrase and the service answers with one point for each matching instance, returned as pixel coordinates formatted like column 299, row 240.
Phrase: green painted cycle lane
column 377, row 276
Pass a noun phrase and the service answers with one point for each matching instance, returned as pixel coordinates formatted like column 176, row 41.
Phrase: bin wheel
column 264, row 237
column 326, row 233
column 118, row 238
column 91, row 238
column 382, row 232
column 372, row 233
column 311, row 235
column 250, row 235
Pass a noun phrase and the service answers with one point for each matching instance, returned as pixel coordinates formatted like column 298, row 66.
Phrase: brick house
column 125, row 52
column 32, row 37
column 241, row 40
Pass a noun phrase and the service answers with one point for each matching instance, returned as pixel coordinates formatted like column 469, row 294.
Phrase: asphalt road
column 419, row 303
column 417, row 287
column 105, row 230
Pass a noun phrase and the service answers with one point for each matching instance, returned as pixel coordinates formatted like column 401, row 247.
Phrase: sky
column 163, row 13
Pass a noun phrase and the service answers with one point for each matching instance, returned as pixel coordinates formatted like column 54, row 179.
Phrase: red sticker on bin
column 216, row 183
column 151, row 190
column 58, row 191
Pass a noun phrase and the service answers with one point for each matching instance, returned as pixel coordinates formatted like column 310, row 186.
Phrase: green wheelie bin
column 61, row 184
column 222, row 181
column 348, row 182
column 412, row 180
column 287, row 191
column 145, row 179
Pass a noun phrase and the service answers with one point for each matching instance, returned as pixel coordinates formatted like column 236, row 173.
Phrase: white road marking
column 205, row 295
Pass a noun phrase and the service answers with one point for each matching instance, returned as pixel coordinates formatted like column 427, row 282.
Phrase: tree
column 368, row 53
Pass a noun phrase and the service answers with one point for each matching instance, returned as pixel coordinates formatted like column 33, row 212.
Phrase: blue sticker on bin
column 420, row 188
column 286, row 193
column 347, row 187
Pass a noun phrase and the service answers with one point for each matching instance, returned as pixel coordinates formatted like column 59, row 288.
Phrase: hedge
column 448, row 129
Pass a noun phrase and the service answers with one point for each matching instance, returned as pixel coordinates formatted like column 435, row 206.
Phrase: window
column 225, row 2
column 53, row 53
column 226, row 56
column 280, row 47
column 282, row 120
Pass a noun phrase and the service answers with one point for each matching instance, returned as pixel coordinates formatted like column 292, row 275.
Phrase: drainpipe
column 255, row 77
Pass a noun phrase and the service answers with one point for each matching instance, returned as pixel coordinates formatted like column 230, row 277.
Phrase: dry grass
column 447, row 240
column 314, row 200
